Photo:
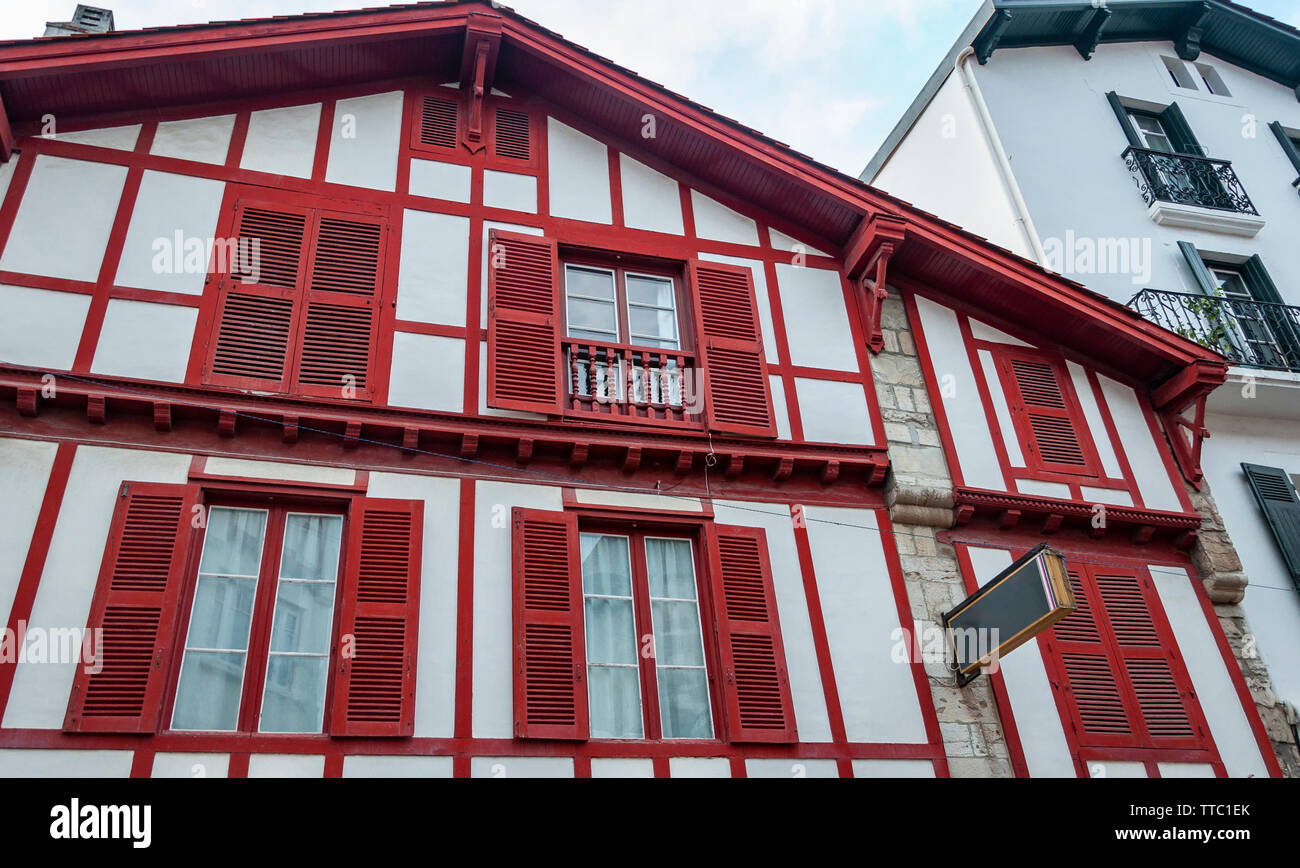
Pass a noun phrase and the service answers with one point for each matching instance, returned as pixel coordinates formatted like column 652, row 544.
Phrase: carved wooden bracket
column 866, row 258
column 477, row 71
column 1188, row 389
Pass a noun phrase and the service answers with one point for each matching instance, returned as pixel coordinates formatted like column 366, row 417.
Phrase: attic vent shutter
column 523, row 323
column 550, row 689
column 1050, row 429
column 755, row 684
column 513, row 135
column 734, row 374
column 439, row 122
column 1281, row 505
column 374, row 690
column 135, row 606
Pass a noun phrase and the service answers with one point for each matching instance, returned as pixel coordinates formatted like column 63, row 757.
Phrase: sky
column 830, row 78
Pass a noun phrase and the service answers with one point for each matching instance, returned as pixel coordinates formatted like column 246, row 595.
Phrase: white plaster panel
column 145, row 340
column 781, row 241
column 816, row 320
column 877, row 695
column 435, row 673
column 656, row 502
column 976, row 456
column 190, row 765
column 716, row 222
column 286, row 765
column 510, row 191
column 834, row 412
column 493, row 600
column 1043, row 489
column 984, row 332
column 362, row 766
column 24, row 473
column 168, row 205
column 63, row 223
column 1143, row 457
column 1096, row 425
column 651, row 201
column 65, row 763
column 118, row 138
column 488, row 226
column 1214, row 687
column 579, row 175
column 218, row 466
column 1033, row 705
column 1186, row 770
column 521, row 767
column 779, row 408
column 1009, row 439
column 369, row 157
column 39, row 696
column 618, row 767
column 282, row 141
column 762, row 298
column 1115, row 496
column 791, row 768
column 41, row 327
column 433, row 275
column 7, row 170
column 1116, row 770
column 806, row 693
column 699, row 767
column 439, row 180
column 203, row 140
column 875, row 768
column 428, row 372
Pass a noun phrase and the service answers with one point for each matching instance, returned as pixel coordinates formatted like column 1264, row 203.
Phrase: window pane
column 605, row 567
column 588, row 282
column 650, row 291
column 658, row 328
column 208, row 695
column 232, row 544
column 677, row 634
column 615, row 702
column 295, row 694
column 304, row 617
column 597, row 317
column 684, row 703
column 672, row 574
column 611, row 631
column 223, row 609
column 311, row 546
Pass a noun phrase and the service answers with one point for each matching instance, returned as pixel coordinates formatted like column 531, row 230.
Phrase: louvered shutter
column 256, row 325
column 755, row 684
column 1049, row 428
column 1095, row 697
column 1278, row 499
column 550, row 660
column 340, row 323
column 135, row 607
column 1288, row 144
column 1180, row 132
column 374, row 688
column 512, row 135
column 438, row 124
column 523, row 323
column 1125, row 124
column 732, row 371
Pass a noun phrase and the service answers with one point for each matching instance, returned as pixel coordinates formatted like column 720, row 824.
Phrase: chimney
column 87, row 19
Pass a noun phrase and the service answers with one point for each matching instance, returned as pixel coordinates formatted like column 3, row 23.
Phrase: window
column 1122, row 682
column 600, row 337
column 297, row 308
column 445, row 125
column 1151, row 131
column 623, row 576
column 1210, row 78
column 646, row 630
column 1045, row 413
column 246, row 620
column 1257, row 328
column 1178, row 72
column 265, row 591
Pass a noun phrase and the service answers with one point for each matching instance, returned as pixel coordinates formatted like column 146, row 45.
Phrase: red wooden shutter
column 255, row 326
column 523, row 323
column 550, row 649
column 135, row 606
column 732, row 372
column 340, row 325
column 1045, row 414
column 755, row 684
column 513, row 137
column 438, row 124
column 374, row 690
column 1096, row 701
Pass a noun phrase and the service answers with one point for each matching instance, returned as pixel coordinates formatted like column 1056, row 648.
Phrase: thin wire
column 586, row 483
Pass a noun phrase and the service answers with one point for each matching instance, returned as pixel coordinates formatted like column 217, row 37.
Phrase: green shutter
column 1288, row 144
column 1279, row 322
column 1180, row 134
column 1278, row 499
column 1204, row 279
column 1121, row 114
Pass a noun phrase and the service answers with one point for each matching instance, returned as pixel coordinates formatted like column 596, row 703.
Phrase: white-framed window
column 620, row 305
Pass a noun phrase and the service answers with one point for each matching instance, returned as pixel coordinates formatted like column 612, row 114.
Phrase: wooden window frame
column 623, row 266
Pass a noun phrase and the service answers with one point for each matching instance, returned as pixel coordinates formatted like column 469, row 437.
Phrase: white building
column 1149, row 151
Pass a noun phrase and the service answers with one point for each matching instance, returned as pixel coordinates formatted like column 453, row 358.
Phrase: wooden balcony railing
column 624, row 382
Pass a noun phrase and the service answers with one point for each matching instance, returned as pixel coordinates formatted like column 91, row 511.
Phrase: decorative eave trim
column 1010, row 510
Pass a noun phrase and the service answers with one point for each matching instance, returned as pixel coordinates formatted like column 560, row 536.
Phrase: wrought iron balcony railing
column 1255, row 334
column 1187, row 180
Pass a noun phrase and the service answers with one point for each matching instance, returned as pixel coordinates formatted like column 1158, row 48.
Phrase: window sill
column 1209, row 219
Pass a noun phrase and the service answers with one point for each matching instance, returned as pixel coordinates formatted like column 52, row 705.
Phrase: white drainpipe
column 962, row 68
